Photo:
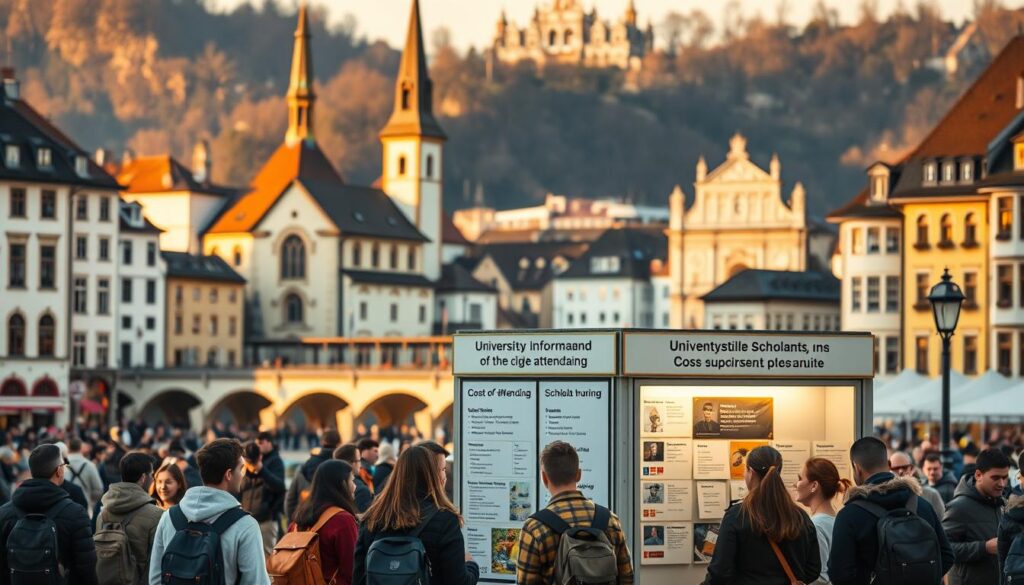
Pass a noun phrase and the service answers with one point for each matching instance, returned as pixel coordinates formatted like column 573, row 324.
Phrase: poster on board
column 705, row 537
column 666, row 500
column 666, row 458
column 664, row 413
column 499, row 454
column 794, row 455
column 738, row 451
column 732, row 418
column 666, row 543
column 712, row 499
column 577, row 412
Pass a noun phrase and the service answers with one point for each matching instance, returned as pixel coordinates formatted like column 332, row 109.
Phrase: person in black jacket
column 744, row 553
column 1010, row 527
column 272, row 463
column 259, row 493
column 298, row 491
column 40, row 494
column 854, row 536
column 363, row 496
column 972, row 520
column 416, row 499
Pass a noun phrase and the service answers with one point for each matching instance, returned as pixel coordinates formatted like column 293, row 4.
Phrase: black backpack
column 193, row 556
column 908, row 548
column 585, row 555
column 399, row 560
column 32, row 549
column 1013, row 566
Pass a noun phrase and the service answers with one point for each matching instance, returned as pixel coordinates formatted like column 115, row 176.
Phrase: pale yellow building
column 205, row 312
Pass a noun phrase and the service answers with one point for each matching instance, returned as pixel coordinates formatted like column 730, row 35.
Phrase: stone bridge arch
column 246, row 407
column 177, row 406
column 320, row 409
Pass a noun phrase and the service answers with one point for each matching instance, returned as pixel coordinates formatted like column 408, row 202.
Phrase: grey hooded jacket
column 971, row 519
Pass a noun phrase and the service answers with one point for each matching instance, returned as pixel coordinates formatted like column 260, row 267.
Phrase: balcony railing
column 358, row 353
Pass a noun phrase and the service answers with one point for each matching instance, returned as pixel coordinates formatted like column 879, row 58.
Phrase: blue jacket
column 854, row 537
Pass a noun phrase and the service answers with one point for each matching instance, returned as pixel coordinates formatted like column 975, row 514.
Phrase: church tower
column 414, row 147
column 300, row 84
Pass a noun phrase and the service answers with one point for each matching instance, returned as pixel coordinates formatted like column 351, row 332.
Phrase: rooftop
column 777, row 285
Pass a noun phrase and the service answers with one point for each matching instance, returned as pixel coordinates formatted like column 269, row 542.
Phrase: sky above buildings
column 471, row 22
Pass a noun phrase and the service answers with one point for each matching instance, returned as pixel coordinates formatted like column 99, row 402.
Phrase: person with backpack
column 126, row 526
column 84, row 474
column 412, row 533
column 886, row 534
column 572, row 538
column 260, row 493
column 298, row 491
column 766, row 538
column 327, row 521
column 43, row 530
column 1010, row 542
column 972, row 520
column 208, row 539
column 363, row 496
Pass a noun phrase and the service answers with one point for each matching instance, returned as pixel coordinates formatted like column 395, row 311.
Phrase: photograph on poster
column 520, row 501
column 665, row 412
column 654, row 451
column 732, row 418
column 504, row 550
column 670, row 500
column 652, row 420
column 673, row 459
column 667, row 544
column 654, row 535
column 654, row 493
column 738, row 451
column 705, row 537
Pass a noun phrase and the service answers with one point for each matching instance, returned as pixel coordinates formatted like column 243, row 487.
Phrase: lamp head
column 946, row 299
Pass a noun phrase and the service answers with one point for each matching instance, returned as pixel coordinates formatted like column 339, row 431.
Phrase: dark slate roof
column 528, row 266
column 22, row 126
column 859, row 208
column 456, row 278
column 388, row 278
column 182, row 265
column 147, row 227
column 363, row 211
column 635, row 249
column 771, row 285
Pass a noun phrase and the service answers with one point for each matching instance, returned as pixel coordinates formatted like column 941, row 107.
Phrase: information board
column 504, row 427
column 547, row 354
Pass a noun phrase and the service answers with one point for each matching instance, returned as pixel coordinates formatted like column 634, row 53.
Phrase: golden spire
column 300, row 84
column 414, row 113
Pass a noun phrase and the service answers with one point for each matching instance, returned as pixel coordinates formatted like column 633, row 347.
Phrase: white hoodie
column 242, row 543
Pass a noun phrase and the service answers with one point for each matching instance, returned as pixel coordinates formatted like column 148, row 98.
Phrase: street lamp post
column 946, row 298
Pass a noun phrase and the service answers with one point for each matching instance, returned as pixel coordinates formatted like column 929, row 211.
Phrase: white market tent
column 987, row 384
column 888, row 399
column 1002, row 402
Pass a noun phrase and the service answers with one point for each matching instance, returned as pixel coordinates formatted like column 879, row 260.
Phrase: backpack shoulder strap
column 325, row 517
column 423, row 523
column 178, row 518
column 552, row 520
column 602, row 516
column 875, row 510
column 227, row 519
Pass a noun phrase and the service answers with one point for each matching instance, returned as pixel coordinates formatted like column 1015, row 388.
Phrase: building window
column 946, row 232
column 970, row 290
column 922, row 354
column 293, row 258
column 393, row 257
column 374, row 255
column 1003, row 353
column 922, row 291
column 78, row 349
column 1004, row 285
column 126, row 290
column 1004, row 206
column 1020, row 282
column 874, row 294
column 232, row 296
column 855, row 294
column 394, row 312
column 363, row 310
column 197, row 324
column 47, row 267
column 126, row 322
column 858, row 241
column 892, row 294
column 150, row 355
column 178, row 324
column 970, row 231
column 82, row 208
column 150, row 254
column 874, row 240
column 892, row 240
column 126, row 253
column 82, row 248
column 357, row 254
column 16, row 266
column 213, row 324
column 232, row 326
column 16, row 335
column 150, row 323
column 430, row 166
column 12, row 156
column 197, row 293
column 213, row 295
column 967, row 172
column 211, row 357
column 892, row 355
column 922, row 232
column 401, row 165
column 807, row 323
column 293, row 309
column 49, row 204
column 104, row 249
column 231, row 358
column 102, row 350
column 17, row 202
column 47, row 336
column 237, row 256
column 568, row 319
column 44, row 157
column 929, row 173
column 150, row 291
column 103, row 296
column 104, row 208
column 970, row 354
column 78, row 296
column 179, row 294
column 948, row 172
column 423, row 313
column 410, row 258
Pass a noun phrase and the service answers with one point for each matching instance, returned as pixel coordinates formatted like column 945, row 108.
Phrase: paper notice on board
column 794, row 455
column 577, row 412
column 711, row 460
column 838, row 452
column 666, row 458
column 712, row 499
column 667, row 544
column 664, row 412
column 705, row 538
column 737, row 489
column 666, row 500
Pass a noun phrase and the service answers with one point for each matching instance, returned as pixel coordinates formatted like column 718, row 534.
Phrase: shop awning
column 22, row 403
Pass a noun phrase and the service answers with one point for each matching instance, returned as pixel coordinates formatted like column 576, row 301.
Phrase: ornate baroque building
column 564, row 33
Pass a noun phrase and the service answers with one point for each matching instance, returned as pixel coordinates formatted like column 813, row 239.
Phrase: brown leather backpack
column 296, row 557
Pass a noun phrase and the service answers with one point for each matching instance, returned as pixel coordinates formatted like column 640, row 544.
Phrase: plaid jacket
column 538, row 545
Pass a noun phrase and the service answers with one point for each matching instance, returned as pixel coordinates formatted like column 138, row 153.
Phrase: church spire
column 300, row 84
column 414, row 113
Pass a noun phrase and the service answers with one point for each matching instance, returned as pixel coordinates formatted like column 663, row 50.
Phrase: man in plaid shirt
column 538, row 544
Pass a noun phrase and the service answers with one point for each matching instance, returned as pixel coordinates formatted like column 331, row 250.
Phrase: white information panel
column 544, row 354
column 499, row 459
column 578, row 412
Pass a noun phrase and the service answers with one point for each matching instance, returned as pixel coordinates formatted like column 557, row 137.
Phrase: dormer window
column 967, row 171
column 44, row 157
column 1018, row 156
column 81, row 165
column 930, row 173
column 948, row 172
column 12, row 156
column 604, row 264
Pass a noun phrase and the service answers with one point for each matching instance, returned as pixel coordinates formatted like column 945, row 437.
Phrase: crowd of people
column 171, row 510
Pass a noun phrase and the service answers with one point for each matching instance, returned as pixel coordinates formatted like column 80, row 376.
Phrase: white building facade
column 142, row 315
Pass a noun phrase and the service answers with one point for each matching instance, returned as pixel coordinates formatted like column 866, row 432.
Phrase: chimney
column 103, row 157
column 202, row 162
column 11, row 89
column 127, row 157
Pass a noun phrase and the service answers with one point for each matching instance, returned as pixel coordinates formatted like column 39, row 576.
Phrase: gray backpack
column 585, row 555
column 115, row 561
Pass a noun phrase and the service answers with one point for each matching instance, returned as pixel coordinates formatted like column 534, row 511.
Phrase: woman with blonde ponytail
column 816, row 487
column 766, row 539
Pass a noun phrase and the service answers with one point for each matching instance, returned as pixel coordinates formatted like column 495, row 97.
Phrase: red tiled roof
column 157, row 174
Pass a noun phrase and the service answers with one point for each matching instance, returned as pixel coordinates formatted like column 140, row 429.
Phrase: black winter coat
column 272, row 464
column 74, row 537
column 380, row 476
column 1010, row 526
column 304, row 478
column 972, row 519
column 743, row 557
column 854, row 536
column 446, row 550
column 260, row 493
column 946, row 486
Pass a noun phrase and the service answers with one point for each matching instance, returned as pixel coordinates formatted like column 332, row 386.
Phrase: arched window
column 357, row 254
column 375, row 255
column 46, row 335
column 393, row 257
column 970, row 230
column 922, row 231
column 552, row 38
column 293, row 309
column 16, row 335
column 406, row 96
column 946, row 233
column 237, row 253
column 45, row 387
column 293, row 258
column 568, row 37
column 401, row 165
column 430, row 166
column 12, row 387
column 410, row 258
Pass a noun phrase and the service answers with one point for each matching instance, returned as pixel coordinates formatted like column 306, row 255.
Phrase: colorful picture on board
column 654, row 451
column 504, row 550
column 520, row 501
column 733, row 418
column 738, row 451
column 705, row 537
column 654, row 419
